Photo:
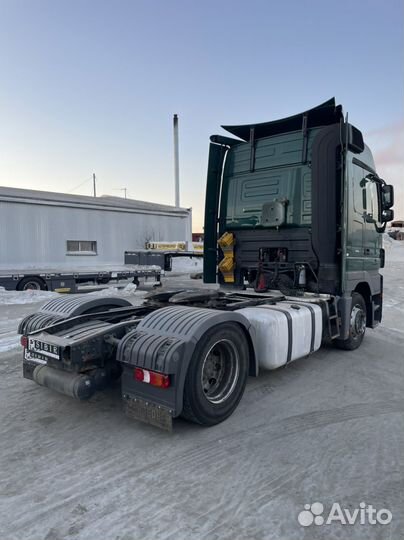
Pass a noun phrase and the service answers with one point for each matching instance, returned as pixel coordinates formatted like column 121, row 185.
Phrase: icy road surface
column 327, row 429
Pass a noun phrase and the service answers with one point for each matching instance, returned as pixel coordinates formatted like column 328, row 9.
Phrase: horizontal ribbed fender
column 165, row 340
column 153, row 351
column 79, row 305
column 36, row 321
column 61, row 308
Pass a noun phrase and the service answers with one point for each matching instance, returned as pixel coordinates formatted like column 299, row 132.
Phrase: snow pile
column 9, row 339
column 24, row 297
column 129, row 291
column 186, row 265
column 394, row 249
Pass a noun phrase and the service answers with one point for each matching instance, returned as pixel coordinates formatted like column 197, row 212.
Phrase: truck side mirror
column 387, row 215
column 387, row 197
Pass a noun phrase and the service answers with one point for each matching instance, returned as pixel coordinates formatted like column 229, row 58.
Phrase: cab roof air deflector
column 323, row 115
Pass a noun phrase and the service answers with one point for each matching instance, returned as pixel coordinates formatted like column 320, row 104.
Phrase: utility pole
column 176, row 162
column 94, row 188
column 124, row 189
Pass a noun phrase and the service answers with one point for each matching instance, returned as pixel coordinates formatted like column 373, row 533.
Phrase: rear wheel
column 217, row 375
column 32, row 284
column 357, row 324
column 103, row 280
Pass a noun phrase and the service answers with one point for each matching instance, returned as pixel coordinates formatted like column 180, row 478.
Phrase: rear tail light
column 261, row 283
column 151, row 377
column 24, row 341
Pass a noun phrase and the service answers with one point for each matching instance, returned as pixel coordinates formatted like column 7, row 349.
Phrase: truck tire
column 32, row 283
column 103, row 280
column 217, row 375
column 357, row 325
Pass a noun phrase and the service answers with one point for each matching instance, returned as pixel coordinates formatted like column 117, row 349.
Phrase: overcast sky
column 92, row 85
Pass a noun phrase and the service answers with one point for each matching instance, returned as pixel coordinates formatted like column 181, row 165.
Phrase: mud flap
column 149, row 413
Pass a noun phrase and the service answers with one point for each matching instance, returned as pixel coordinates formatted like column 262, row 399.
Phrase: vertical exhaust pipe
column 176, row 162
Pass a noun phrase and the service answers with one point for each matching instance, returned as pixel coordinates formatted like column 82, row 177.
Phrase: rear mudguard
column 61, row 308
column 164, row 341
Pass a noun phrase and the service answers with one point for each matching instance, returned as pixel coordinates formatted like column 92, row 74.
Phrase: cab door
column 356, row 223
column 372, row 239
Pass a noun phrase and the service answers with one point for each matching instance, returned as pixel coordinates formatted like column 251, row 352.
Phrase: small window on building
column 81, row 247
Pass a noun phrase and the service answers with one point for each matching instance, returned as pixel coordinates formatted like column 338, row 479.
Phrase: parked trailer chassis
column 67, row 281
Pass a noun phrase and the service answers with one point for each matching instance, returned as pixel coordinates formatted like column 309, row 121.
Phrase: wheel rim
column 358, row 321
column 220, row 371
column 32, row 286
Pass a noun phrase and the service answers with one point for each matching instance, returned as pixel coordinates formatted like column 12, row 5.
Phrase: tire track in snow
column 214, row 449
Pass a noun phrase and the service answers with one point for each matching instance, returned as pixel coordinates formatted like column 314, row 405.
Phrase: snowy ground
column 328, row 428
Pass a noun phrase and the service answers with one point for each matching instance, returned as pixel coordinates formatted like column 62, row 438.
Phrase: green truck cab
column 302, row 207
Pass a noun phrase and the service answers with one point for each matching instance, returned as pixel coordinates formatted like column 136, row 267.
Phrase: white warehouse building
column 40, row 228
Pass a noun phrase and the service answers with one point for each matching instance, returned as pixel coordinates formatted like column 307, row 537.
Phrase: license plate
column 45, row 349
column 149, row 413
column 32, row 357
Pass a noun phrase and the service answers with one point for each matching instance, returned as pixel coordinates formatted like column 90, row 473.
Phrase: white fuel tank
column 285, row 331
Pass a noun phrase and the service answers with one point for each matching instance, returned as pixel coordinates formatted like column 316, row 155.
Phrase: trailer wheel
column 32, row 283
column 103, row 280
column 357, row 325
column 217, row 375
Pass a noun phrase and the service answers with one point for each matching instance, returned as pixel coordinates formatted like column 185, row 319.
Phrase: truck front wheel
column 217, row 375
column 357, row 324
